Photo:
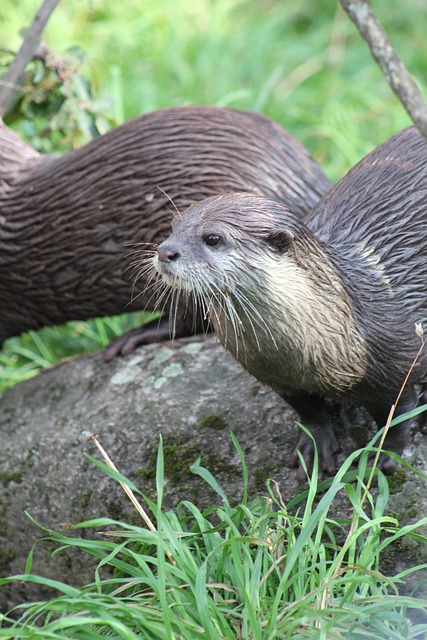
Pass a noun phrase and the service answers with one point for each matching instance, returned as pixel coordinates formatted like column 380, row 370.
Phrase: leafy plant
column 56, row 109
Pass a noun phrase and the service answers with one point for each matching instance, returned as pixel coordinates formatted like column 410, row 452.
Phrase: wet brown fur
column 322, row 307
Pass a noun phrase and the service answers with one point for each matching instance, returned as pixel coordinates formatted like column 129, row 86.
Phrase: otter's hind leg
column 315, row 416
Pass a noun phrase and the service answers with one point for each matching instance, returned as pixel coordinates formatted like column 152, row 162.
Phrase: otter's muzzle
column 167, row 253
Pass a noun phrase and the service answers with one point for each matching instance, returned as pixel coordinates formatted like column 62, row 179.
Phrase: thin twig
column 92, row 438
column 394, row 70
column 12, row 79
column 419, row 332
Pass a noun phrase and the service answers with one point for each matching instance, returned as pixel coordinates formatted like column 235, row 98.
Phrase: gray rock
column 192, row 393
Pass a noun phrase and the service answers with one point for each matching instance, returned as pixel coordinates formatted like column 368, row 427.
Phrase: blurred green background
column 300, row 62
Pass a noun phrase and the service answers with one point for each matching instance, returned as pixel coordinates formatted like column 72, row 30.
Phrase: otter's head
column 233, row 254
column 225, row 244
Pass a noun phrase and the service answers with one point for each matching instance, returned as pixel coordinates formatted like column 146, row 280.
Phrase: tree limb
column 394, row 70
column 11, row 81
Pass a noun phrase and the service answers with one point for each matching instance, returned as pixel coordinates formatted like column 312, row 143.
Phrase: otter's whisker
column 227, row 307
column 196, row 298
column 170, row 200
column 150, row 283
column 138, row 276
column 157, row 291
column 141, row 259
column 142, row 268
column 253, row 315
column 176, row 294
column 164, row 298
column 249, row 319
column 141, row 244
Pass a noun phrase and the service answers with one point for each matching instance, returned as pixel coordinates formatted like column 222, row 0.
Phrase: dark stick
column 11, row 81
column 391, row 65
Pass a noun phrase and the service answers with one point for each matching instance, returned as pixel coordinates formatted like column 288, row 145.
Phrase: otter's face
column 222, row 252
column 222, row 245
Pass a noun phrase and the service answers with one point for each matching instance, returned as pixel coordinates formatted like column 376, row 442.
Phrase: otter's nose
column 167, row 253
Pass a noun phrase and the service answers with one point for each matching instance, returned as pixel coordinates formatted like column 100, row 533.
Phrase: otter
column 325, row 307
column 67, row 224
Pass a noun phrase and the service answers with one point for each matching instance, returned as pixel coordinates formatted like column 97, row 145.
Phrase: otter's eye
column 212, row 240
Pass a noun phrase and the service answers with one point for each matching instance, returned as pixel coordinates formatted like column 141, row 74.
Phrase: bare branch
column 11, row 81
column 397, row 75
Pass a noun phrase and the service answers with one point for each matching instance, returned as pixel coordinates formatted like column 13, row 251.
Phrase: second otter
column 322, row 308
column 66, row 224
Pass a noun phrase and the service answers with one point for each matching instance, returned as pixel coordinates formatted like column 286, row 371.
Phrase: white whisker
column 170, row 200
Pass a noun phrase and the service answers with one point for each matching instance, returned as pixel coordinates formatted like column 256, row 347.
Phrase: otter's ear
column 280, row 240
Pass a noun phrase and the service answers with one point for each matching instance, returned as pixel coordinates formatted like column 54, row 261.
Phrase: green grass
column 256, row 570
column 300, row 62
column 24, row 356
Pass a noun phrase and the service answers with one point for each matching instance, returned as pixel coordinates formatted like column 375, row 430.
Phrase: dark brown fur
column 67, row 225
column 325, row 307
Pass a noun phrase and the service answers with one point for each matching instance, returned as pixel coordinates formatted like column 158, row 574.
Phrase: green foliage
column 300, row 62
column 56, row 108
column 260, row 569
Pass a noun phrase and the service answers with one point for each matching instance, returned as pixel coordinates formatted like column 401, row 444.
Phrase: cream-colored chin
column 162, row 270
column 172, row 280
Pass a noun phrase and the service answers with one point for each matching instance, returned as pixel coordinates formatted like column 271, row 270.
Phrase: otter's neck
column 15, row 156
column 298, row 329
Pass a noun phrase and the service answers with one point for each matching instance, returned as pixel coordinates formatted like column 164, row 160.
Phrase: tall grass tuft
column 260, row 569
